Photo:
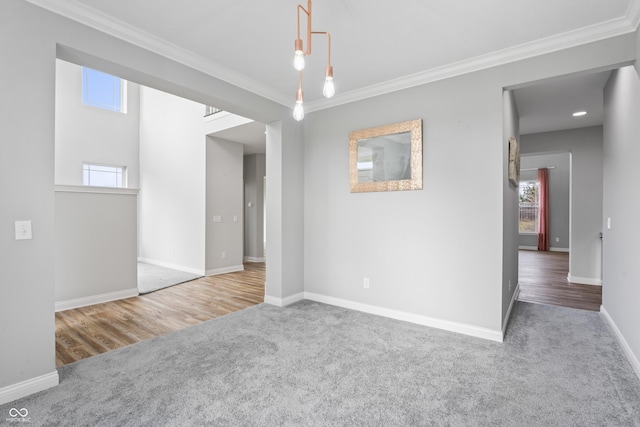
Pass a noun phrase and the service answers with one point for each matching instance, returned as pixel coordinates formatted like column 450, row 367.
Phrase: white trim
column 283, row 302
column 85, row 15
column 447, row 325
column 96, row 190
column 589, row 34
column 195, row 271
column 224, row 270
column 584, row 280
column 535, row 248
column 254, row 259
column 27, row 387
column 96, row 299
column 633, row 359
column 505, row 321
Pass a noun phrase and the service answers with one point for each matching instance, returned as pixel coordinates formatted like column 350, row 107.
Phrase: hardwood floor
column 543, row 279
column 87, row 331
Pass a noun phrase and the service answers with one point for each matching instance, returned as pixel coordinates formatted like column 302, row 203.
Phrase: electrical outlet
column 557, row 239
column 23, row 230
column 224, row 254
column 365, row 283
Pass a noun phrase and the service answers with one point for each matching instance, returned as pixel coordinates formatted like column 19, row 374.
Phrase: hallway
column 543, row 280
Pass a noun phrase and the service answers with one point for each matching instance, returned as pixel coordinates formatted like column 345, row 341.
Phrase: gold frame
column 415, row 183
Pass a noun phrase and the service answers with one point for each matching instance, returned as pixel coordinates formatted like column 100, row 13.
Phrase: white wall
column 511, row 128
column 585, row 146
column 90, row 134
column 172, row 181
column 559, row 183
column 224, row 241
column 95, row 249
column 621, row 273
column 254, row 173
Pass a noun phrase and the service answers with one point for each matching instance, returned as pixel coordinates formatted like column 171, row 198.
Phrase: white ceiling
column 377, row 45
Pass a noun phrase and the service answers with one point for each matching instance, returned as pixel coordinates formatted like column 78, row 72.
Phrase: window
column 103, row 90
column 528, row 222
column 104, row 176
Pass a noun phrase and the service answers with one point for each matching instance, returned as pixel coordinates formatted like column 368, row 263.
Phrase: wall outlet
column 217, row 218
column 365, row 283
column 224, row 254
column 557, row 239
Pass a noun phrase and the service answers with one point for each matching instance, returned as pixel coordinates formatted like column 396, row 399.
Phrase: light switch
column 23, row 230
column 235, row 218
column 609, row 223
column 217, row 218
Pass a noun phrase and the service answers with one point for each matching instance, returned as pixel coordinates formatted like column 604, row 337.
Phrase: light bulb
column 298, row 111
column 329, row 89
column 298, row 57
column 298, row 60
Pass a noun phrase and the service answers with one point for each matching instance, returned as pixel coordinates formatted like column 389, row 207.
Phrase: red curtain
column 543, row 210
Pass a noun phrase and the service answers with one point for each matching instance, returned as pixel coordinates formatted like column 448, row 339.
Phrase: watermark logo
column 19, row 415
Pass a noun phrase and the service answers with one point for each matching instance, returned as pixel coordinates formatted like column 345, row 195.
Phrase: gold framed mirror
column 386, row 158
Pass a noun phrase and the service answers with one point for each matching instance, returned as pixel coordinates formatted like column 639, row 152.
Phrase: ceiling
column 377, row 45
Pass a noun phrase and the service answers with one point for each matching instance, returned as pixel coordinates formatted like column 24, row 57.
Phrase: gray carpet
column 313, row 364
column 153, row 277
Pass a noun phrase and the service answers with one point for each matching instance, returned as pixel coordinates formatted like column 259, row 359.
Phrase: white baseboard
column 224, row 270
column 283, row 302
column 535, row 248
column 505, row 321
column 254, row 259
column 195, row 271
column 96, row 299
column 25, row 388
column 633, row 359
column 475, row 331
column 584, row 280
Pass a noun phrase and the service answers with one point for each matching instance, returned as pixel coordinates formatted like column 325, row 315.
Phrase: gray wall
column 96, row 250
column 407, row 242
column 621, row 274
column 308, row 183
column 90, row 134
column 559, row 183
column 585, row 146
column 254, row 173
column 27, row 298
column 511, row 127
column 224, row 199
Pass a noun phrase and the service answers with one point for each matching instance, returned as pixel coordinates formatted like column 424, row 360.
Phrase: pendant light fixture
column 298, row 63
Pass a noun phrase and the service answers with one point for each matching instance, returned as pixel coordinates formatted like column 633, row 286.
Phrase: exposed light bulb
column 298, row 57
column 298, row 60
column 298, row 111
column 329, row 89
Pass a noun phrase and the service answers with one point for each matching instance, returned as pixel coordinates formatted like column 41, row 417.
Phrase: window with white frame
column 104, row 175
column 103, row 90
column 528, row 218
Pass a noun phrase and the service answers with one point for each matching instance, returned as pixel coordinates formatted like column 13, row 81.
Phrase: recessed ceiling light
column 579, row 113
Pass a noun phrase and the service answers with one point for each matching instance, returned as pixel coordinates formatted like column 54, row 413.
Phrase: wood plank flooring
column 87, row 331
column 543, row 279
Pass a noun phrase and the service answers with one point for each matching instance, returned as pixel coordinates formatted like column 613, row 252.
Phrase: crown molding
column 581, row 36
column 76, row 11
